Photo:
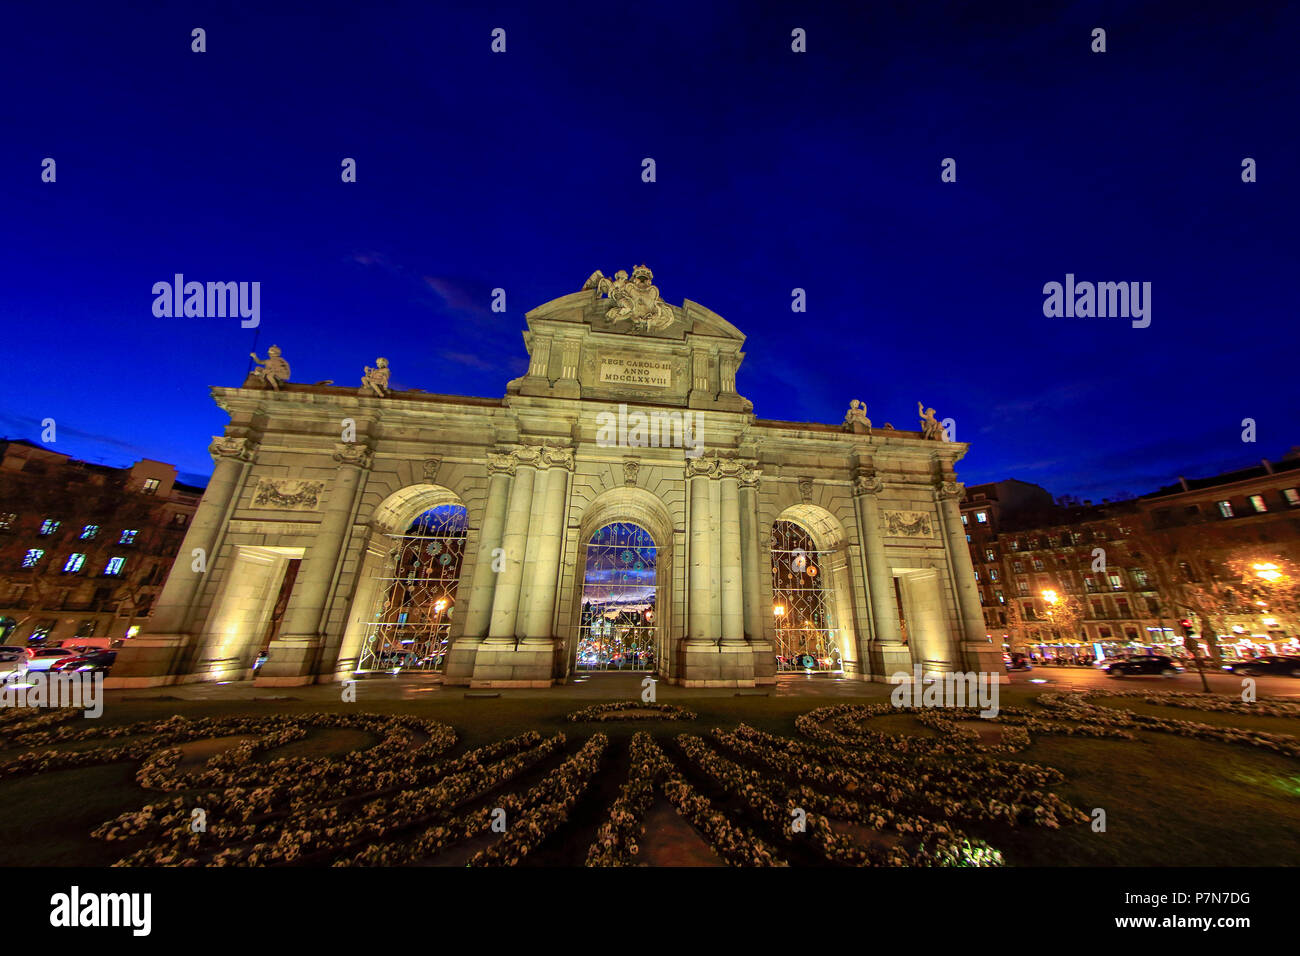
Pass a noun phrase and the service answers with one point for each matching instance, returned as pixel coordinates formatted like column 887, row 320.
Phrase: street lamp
column 1267, row 571
column 778, row 609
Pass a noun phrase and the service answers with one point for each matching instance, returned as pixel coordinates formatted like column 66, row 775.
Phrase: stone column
column 547, row 536
column 479, row 610
column 700, row 615
column 885, row 653
column 149, row 660
column 291, row 658
column 978, row 652
column 733, row 612
column 463, row 652
column 750, row 557
column 231, row 456
column 514, row 541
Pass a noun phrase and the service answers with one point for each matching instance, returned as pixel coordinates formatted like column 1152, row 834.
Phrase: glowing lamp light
column 1268, row 571
column 778, row 609
column 440, row 605
column 1050, row 596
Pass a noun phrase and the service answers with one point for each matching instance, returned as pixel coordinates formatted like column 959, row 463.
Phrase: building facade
column 621, row 507
column 1103, row 580
column 84, row 548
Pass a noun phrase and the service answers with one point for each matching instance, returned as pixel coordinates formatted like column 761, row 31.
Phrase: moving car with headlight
column 1272, row 665
column 1154, row 665
column 43, row 658
column 91, row 661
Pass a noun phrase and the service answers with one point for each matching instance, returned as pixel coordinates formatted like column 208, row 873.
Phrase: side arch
column 390, row 517
column 831, row 542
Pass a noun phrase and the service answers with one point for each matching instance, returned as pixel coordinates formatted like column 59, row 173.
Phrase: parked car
column 1280, row 665
column 43, row 658
column 1153, row 665
column 13, row 663
column 92, row 661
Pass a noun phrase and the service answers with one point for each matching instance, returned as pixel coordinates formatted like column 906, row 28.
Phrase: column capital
column 944, row 490
column 867, row 482
column 232, row 447
column 498, row 464
column 353, row 453
column 554, row 456
column 750, row 475
column 700, row 467
column 715, row 466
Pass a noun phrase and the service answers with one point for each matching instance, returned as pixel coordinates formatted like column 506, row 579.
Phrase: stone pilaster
column 699, row 598
column 151, row 658
column 733, row 611
column 292, row 657
column 715, row 652
column 507, row 657
column 884, row 653
column 978, row 652
column 478, row 613
column 514, row 541
column 547, row 540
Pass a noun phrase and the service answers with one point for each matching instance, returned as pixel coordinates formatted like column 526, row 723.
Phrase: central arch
column 619, row 523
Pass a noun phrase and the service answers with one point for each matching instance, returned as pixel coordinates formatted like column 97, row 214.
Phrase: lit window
column 48, row 527
column 965, row 519
column 114, row 567
column 74, row 563
column 989, row 555
column 1116, row 583
column 982, row 517
column 1038, row 564
column 1257, row 502
column 180, row 520
column 1015, row 544
column 7, row 521
column 128, row 536
column 1292, row 496
column 1017, row 566
column 89, row 531
column 133, row 630
column 1139, row 577
column 977, row 574
column 32, row 556
column 150, row 486
column 1225, row 509
column 968, row 539
column 993, row 574
column 1001, row 599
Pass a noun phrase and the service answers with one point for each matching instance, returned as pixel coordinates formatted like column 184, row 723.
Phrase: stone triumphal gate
column 621, row 507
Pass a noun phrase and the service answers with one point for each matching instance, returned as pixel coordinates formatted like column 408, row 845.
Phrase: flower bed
column 531, row 817
column 1076, row 706
column 616, row 841
column 630, row 710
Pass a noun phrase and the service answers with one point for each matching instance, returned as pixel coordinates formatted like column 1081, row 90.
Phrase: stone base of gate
column 147, row 662
column 764, row 662
column 985, row 658
column 501, row 662
column 712, row 664
column 886, row 660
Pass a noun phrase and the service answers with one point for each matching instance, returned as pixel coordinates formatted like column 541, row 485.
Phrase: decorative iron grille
column 806, row 639
column 411, row 620
column 617, row 627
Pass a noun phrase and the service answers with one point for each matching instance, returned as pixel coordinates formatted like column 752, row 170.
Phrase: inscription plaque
column 617, row 370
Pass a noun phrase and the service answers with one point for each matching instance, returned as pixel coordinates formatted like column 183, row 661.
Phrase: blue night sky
column 775, row 171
